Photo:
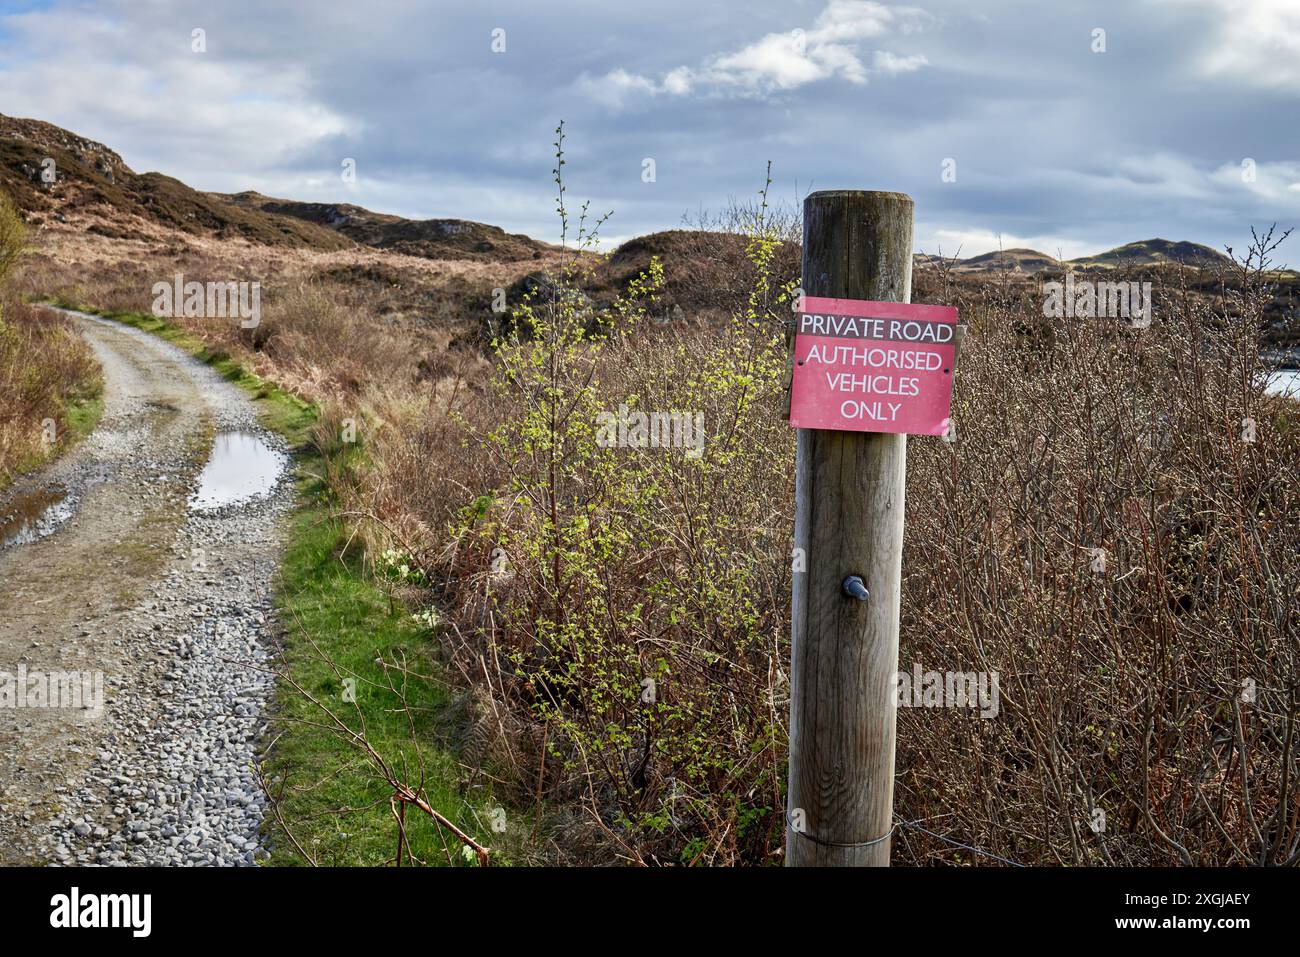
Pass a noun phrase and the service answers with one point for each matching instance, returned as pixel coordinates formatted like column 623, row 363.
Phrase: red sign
column 873, row 366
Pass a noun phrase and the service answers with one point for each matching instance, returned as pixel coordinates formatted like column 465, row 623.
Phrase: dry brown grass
column 333, row 322
column 1160, row 689
column 44, row 365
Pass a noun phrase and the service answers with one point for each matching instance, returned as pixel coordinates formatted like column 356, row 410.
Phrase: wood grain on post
column 849, row 491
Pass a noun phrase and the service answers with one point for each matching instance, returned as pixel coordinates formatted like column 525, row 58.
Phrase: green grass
column 81, row 413
column 354, row 624
column 337, row 621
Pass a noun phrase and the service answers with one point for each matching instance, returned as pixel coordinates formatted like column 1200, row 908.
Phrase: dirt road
column 121, row 560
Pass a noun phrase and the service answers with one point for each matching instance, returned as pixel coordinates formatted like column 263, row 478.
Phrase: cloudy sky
column 1185, row 127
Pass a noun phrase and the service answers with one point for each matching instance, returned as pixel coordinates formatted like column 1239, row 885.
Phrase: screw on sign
column 864, row 366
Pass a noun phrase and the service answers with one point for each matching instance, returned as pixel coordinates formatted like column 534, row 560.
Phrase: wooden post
column 849, row 491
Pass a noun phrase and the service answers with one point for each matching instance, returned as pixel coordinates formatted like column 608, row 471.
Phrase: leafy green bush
column 636, row 588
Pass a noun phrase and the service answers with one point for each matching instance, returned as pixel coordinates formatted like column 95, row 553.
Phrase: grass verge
column 339, row 623
column 330, row 797
column 80, row 416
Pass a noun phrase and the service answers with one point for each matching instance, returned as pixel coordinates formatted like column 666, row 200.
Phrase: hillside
column 1156, row 252
column 427, row 238
column 1027, row 261
column 95, row 191
column 1147, row 252
column 424, row 238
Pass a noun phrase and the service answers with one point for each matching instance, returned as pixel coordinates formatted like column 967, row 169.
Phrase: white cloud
column 975, row 242
column 1274, row 182
column 678, row 81
column 202, row 115
column 1167, row 178
column 782, row 61
column 1256, row 42
column 1160, row 176
column 616, row 86
column 891, row 64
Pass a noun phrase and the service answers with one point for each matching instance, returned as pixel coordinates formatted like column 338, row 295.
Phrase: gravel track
column 172, row 604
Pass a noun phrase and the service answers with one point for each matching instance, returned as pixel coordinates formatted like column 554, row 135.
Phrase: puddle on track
column 241, row 467
column 31, row 517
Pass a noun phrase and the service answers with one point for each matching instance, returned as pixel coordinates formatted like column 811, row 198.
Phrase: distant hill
column 1156, row 252
column 707, row 274
column 1148, row 252
column 427, row 238
column 1010, row 260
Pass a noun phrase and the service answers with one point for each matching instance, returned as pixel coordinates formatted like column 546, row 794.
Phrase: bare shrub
column 44, row 365
column 1114, row 533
